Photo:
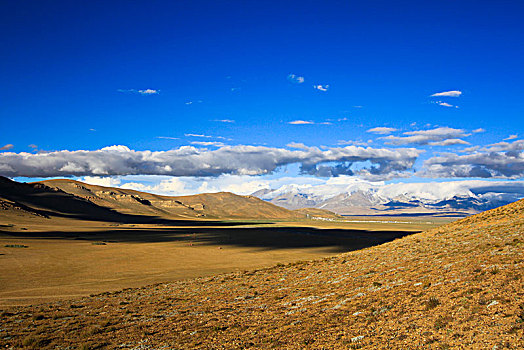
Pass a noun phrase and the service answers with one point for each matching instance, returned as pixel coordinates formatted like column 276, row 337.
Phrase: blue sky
column 150, row 75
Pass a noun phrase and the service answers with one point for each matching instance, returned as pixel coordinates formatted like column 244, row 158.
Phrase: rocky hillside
column 77, row 200
column 457, row 286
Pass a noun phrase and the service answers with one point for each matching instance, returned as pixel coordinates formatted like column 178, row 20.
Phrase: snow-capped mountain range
column 348, row 197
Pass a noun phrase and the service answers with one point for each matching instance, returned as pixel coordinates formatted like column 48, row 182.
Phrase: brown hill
column 456, row 286
column 223, row 205
column 76, row 200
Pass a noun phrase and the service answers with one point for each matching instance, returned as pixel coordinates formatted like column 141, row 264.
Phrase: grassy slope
column 456, row 286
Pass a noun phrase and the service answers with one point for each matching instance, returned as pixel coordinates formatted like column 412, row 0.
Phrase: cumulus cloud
column 7, row 147
column 451, row 93
column 501, row 160
column 425, row 137
column 295, row 79
column 382, row 130
column 505, row 146
column 191, row 161
column 511, row 137
column 321, row 87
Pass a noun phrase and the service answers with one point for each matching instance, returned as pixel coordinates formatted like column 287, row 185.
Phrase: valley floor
column 43, row 261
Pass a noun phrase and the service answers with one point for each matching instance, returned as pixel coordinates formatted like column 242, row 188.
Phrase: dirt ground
column 60, row 261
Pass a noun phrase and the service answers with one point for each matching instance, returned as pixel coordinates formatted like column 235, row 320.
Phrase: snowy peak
column 457, row 198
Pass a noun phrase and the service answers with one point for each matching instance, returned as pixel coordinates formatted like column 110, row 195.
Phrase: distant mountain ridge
column 366, row 199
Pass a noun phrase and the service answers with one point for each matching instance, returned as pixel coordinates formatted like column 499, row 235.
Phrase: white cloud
column 449, row 142
column 451, row 93
column 173, row 186
column 295, row 78
column 141, row 92
column 198, row 135
column 224, row 120
column 500, row 160
column 511, row 137
column 207, row 143
column 470, row 149
column 424, row 137
column 190, row 161
column 297, row 145
column 300, row 122
column 382, row 130
column 167, row 137
column 354, row 142
column 505, row 146
column 7, row 147
column 309, row 122
column 149, row 92
column 106, row 181
column 479, row 130
column 321, row 87
column 445, row 104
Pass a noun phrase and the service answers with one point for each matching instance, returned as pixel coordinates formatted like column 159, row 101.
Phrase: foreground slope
column 456, row 286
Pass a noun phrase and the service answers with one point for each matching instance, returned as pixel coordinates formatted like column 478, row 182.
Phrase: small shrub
column 38, row 317
column 432, row 303
column 441, row 322
column 16, row 246
column 34, row 342
column 92, row 330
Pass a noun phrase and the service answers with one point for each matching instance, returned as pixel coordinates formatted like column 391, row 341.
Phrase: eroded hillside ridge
column 456, row 286
column 74, row 199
